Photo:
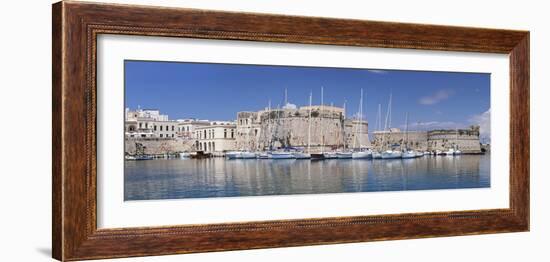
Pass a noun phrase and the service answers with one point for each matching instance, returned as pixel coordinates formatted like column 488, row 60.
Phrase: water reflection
column 217, row 177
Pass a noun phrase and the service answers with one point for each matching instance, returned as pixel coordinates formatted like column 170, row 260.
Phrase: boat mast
column 388, row 116
column 360, row 117
column 309, row 127
column 379, row 117
column 406, row 135
column 269, row 134
column 322, row 123
column 344, row 127
column 456, row 139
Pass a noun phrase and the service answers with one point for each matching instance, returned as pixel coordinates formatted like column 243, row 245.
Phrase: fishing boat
column 419, row 154
column 439, row 153
column 458, row 152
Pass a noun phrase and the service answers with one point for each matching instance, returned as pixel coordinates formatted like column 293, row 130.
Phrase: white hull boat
column 184, row 155
column 362, row 155
column 302, row 155
column 450, row 152
column 233, row 155
column 330, row 155
column 248, row 155
column 391, row 154
column 263, row 155
column 376, row 155
column 281, row 155
column 344, row 155
column 408, row 154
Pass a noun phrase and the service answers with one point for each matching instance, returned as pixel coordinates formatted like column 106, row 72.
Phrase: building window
column 160, row 135
column 172, row 128
column 172, row 135
column 225, row 133
column 167, row 128
column 140, row 125
column 205, row 133
column 213, row 146
column 232, row 133
column 160, row 128
column 155, row 128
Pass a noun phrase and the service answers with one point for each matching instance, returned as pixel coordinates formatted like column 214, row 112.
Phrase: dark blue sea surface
column 219, row 177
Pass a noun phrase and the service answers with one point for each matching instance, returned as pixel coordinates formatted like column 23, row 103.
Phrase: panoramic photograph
column 204, row 130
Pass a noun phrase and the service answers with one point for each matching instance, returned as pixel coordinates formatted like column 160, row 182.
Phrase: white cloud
column 483, row 120
column 376, row 71
column 439, row 96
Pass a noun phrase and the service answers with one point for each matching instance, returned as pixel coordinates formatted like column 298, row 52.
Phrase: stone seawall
column 156, row 146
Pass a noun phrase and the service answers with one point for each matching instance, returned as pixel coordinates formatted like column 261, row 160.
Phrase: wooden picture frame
column 76, row 26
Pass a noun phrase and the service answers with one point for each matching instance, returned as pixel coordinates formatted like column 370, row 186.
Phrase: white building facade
column 149, row 123
column 219, row 136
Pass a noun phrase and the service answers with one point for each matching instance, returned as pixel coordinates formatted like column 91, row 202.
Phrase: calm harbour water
column 218, row 177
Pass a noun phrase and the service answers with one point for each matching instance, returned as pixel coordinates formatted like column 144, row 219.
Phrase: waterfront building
column 153, row 114
column 218, row 137
column 186, row 127
column 148, row 123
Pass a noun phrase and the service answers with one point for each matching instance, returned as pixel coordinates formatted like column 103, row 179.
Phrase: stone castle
column 466, row 140
column 290, row 127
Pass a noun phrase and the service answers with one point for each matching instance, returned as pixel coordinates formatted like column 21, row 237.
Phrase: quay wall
column 155, row 146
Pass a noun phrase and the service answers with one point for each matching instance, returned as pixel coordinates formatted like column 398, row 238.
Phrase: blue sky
column 219, row 91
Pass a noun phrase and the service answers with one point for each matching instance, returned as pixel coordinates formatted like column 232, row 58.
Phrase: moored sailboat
column 361, row 153
column 389, row 153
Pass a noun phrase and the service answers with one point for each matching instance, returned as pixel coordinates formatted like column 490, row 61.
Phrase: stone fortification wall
column 466, row 140
column 155, row 146
column 290, row 128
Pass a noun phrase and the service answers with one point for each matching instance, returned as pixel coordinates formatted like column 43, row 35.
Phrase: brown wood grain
column 75, row 28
